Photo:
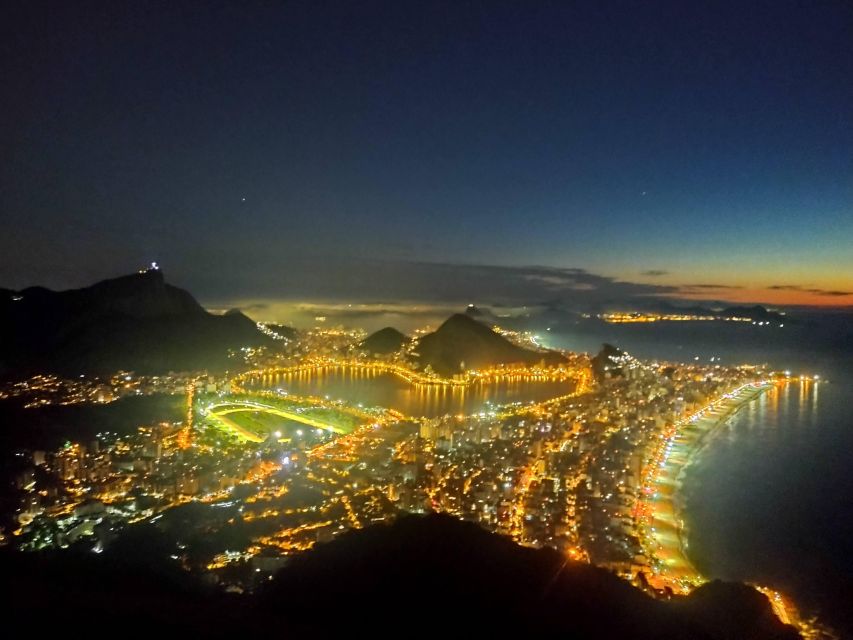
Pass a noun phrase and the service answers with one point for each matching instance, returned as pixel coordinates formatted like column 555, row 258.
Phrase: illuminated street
column 504, row 318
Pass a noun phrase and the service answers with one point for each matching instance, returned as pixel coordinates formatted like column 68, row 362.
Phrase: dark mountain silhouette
column 463, row 340
column 283, row 330
column 383, row 342
column 487, row 316
column 450, row 570
column 756, row 312
column 605, row 363
column 420, row 573
column 135, row 322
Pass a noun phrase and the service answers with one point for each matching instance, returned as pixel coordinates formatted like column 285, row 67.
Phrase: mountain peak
column 383, row 342
column 135, row 321
column 461, row 342
column 146, row 278
column 141, row 294
column 463, row 321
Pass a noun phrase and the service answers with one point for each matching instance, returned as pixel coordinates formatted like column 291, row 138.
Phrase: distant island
column 668, row 312
column 136, row 322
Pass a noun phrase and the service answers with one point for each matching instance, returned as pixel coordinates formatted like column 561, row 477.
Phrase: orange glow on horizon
column 780, row 297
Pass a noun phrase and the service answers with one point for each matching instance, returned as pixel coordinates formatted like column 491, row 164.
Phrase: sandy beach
column 658, row 514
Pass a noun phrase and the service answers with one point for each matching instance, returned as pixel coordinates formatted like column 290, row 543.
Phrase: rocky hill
column 462, row 342
column 383, row 342
column 136, row 322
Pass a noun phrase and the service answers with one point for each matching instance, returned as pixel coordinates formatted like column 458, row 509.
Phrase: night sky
column 348, row 149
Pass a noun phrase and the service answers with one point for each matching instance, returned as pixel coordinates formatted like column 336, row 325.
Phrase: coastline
column 658, row 514
column 703, row 439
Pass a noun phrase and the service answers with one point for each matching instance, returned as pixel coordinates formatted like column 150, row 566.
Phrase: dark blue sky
column 237, row 144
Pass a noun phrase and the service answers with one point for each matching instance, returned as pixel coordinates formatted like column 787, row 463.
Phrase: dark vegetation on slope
column 135, row 322
column 431, row 573
column 462, row 342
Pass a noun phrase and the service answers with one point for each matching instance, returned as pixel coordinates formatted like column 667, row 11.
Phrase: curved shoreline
column 659, row 519
column 417, row 378
column 703, row 440
column 659, row 512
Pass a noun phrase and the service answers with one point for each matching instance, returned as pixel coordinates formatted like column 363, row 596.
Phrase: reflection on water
column 768, row 500
column 373, row 388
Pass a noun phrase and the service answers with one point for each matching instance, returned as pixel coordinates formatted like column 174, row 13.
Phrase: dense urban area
column 250, row 474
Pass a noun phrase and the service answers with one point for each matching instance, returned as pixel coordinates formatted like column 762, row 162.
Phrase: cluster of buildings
column 48, row 389
column 639, row 316
column 563, row 473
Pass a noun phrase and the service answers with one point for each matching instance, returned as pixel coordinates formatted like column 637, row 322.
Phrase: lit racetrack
column 219, row 413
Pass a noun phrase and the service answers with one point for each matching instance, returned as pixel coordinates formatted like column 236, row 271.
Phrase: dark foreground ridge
column 432, row 572
column 136, row 322
column 462, row 339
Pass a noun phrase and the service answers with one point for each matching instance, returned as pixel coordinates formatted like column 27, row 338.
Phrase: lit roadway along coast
column 593, row 472
column 660, row 527
column 658, row 520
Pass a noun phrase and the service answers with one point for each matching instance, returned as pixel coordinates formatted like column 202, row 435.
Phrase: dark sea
column 770, row 498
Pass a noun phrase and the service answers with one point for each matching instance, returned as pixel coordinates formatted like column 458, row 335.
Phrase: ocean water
column 769, row 498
